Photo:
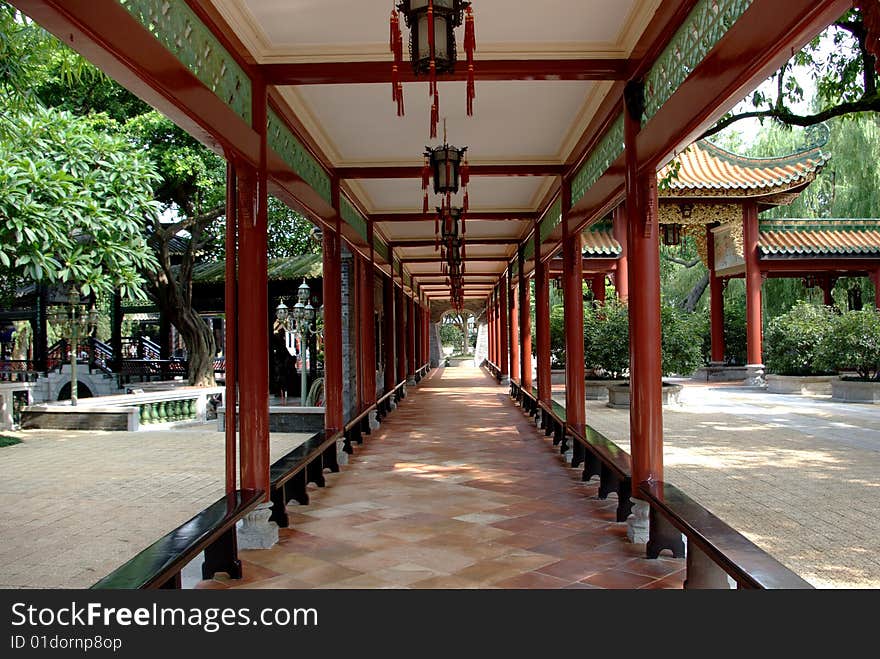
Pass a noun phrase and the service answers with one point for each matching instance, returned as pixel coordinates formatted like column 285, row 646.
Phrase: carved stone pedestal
column 255, row 531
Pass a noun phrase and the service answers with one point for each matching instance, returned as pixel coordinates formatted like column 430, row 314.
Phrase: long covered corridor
column 456, row 490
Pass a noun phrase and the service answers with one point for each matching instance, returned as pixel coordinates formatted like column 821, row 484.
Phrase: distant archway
column 82, row 391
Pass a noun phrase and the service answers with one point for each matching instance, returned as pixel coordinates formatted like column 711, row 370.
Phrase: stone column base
column 755, row 375
column 410, row 381
column 374, row 420
column 505, row 379
column 255, row 531
column 341, row 455
column 638, row 525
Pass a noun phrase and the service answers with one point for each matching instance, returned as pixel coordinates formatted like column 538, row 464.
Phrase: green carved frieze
column 178, row 28
column 707, row 23
column 297, row 157
column 606, row 152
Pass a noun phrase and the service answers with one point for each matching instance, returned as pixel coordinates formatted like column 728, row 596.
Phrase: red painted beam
column 472, row 216
column 436, row 259
column 415, row 171
column 349, row 73
column 485, row 242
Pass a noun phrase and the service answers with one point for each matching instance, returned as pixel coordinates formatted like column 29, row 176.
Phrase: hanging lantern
column 671, row 234
column 432, row 25
column 445, row 164
column 450, row 222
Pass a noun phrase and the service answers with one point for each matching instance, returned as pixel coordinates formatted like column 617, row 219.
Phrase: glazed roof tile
column 705, row 167
column 600, row 243
column 819, row 237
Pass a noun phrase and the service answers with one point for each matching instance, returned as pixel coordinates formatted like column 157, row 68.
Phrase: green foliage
column 6, row 440
column 682, row 342
column 557, row 335
column 606, row 339
column 73, row 202
column 792, row 339
column 853, row 342
column 735, row 339
column 450, row 335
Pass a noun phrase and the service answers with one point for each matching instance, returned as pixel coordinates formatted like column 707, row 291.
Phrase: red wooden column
column 230, row 351
column 716, row 301
column 388, row 331
column 410, row 341
column 753, row 288
column 827, row 290
column 400, row 332
column 525, row 329
column 367, row 356
column 542, row 322
column 490, row 318
column 621, row 277
column 332, row 292
column 597, row 284
column 515, row 337
column 253, row 314
column 646, row 380
column 573, row 301
column 503, row 329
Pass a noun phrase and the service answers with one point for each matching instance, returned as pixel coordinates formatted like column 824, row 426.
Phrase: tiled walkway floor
column 456, row 490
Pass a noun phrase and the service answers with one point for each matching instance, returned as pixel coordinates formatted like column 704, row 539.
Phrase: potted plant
column 852, row 343
column 681, row 349
column 791, row 345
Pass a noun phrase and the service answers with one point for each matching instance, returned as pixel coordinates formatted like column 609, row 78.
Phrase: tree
column 74, row 195
column 842, row 66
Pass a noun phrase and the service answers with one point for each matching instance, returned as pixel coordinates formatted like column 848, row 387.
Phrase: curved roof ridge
column 803, row 154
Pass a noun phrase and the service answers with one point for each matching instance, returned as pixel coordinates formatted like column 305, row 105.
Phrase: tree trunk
column 690, row 302
column 196, row 335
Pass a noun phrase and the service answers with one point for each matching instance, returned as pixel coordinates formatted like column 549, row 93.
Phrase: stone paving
column 456, row 490
column 77, row 504
column 797, row 475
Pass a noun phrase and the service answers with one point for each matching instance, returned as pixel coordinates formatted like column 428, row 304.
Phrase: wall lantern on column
column 671, row 234
column 432, row 25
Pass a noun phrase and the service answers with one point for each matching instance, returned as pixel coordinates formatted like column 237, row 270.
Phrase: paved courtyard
column 458, row 490
column 797, row 475
column 78, row 504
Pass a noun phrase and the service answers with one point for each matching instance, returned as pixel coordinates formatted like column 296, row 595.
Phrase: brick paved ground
column 74, row 505
column 799, row 476
column 456, row 490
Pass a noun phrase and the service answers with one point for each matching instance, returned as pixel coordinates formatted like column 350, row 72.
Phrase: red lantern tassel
column 426, row 174
column 435, row 115
column 470, row 45
column 425, row 203
column 465, row 173
column 465, row 205
column 436, row 225
column 395, row 82
column 463, row 216
column 471, row 91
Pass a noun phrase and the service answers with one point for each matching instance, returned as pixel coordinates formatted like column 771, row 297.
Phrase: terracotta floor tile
column 533, row 580
column 457, row 489
column 618, row 579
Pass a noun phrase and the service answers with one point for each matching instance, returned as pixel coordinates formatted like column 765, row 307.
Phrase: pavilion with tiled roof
column 715, row 196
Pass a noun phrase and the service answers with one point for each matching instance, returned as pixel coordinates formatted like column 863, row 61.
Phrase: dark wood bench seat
column 603, row 458
column 715, row 550
column 211, row 531
column 305, row 464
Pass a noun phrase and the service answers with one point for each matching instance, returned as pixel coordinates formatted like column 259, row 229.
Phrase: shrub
column 682, row 341
column 853, row 342
column 557, row 336
column 606, row 339
column 606, row 344
column 734, row 331
column 792, row 340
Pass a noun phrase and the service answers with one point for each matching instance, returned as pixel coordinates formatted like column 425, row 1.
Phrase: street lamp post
column 77, row 320
column 302, row 324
